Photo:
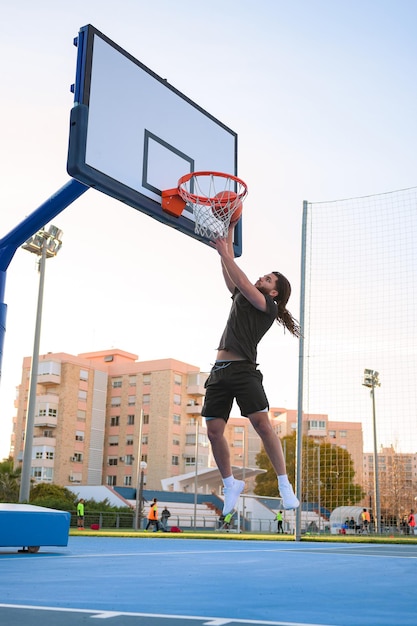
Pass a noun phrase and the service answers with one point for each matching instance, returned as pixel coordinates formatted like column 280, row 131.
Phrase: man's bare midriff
column 228, row 355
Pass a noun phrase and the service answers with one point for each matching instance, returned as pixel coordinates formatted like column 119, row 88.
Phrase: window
column 116, row 401
column 176, row 418
column 112, row 460
column 82, row 395
column 343, row 433
column 79, row 435
column 81, row 416
column 177, row 398
column 145, row 440
column 108, row 358
column 132, row 381
column 332, row 433
column 113, row 440
column 50, row 412
column 45, row 474
column 111, row 481
column 175, row 442
column 146, row 398
column 114, row 421
column 47, row 433
column 189, row 460
column 130, row 420
column 175, row 460
column 190, row 440
column 78, row 457
column 146, row 379
column 146, row 419
column 127, row 481
column 116, row 382
column 239, row 429
column 83, row 375
column 46, row 368
column 129, row 440
column 43, row 452
column 131, row 400
column 129, row 459
column 177, row 379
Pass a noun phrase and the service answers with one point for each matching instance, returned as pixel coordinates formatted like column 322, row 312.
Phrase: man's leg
column 220, row 449
column 232, row 487
column 272, row 444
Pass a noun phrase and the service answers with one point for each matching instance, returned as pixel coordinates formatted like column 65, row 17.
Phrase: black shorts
column 230, row 380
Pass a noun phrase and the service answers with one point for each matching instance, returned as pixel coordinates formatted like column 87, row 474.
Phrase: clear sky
column 322, row 94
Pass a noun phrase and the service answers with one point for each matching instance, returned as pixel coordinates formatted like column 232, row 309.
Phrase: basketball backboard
column 133, row 135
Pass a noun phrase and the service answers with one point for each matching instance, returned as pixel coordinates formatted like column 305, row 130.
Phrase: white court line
column 206, row 621
column 317, row 549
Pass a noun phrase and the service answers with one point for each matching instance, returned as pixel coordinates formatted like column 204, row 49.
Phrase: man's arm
column 227, row 279
column 236, row 277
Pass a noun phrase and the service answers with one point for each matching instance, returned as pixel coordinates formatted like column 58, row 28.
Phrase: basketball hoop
column 215, row 198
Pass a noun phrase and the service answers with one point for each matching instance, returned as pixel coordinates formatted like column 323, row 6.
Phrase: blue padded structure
column 33, row 526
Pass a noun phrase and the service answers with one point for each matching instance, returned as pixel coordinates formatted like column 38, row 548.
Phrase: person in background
column 165, row 515
column 366, row 518
column 411, row 521
column 153, row 516
column 279, row 520
column 80, row 514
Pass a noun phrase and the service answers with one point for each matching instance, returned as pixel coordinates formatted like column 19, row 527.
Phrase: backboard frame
column 145, row 197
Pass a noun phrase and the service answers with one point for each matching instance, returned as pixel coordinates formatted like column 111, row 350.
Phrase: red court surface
column 173, row 581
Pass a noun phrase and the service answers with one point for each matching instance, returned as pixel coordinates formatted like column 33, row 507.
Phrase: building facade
column 346, row 435
column 99, row 414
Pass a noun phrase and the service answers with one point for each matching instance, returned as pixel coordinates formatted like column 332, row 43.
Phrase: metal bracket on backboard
column 172, row 202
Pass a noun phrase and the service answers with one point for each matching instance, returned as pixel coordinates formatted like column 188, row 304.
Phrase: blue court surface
column 173, row 581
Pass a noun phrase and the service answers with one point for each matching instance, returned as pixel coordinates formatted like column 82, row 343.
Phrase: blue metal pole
column 30, row 225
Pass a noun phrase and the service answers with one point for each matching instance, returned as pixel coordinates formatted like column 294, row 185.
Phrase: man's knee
column 262, row 425
column 215, row 429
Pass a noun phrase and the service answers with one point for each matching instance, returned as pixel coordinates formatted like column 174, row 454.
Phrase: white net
column 360, row 313
column 215, row 199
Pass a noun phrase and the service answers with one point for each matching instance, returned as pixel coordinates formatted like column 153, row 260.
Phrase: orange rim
column 207, row 200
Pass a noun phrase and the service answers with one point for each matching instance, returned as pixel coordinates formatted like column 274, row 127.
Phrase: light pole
column 319, row 486
column 371, row 380
column 139, row 496
column 197, row 426
column 46, row 244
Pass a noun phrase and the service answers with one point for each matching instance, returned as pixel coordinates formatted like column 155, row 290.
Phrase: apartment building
column 346, row 435
column 99, row 414
column 397, row 473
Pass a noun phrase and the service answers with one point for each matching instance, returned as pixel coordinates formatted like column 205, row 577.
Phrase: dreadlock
column 284, row 317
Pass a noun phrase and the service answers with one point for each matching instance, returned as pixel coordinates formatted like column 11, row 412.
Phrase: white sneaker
column 231, row 496
column 289, row 500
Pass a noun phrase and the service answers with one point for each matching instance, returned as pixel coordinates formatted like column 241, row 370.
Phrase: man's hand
column 223, row 247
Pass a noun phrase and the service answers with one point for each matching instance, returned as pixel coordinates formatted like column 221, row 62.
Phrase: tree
column 327, row 473
column 53, row 497
column 9, row 481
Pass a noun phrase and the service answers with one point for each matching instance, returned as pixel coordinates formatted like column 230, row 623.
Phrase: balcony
column 44, row 441
column 195, row 384
column 193, row 408
column 49, row 379
column 46, row 420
